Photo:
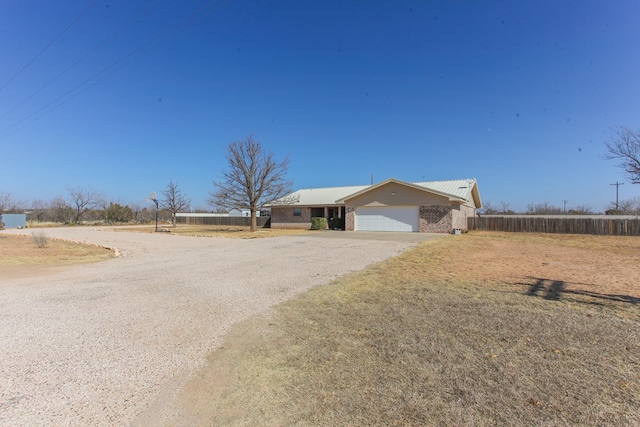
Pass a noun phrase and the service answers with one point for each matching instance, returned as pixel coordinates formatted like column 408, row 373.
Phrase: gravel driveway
column 97, row 344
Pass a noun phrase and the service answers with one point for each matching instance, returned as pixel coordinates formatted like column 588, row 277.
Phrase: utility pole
column 617, row 184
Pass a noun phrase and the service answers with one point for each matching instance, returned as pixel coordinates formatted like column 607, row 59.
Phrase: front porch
column 300, row 217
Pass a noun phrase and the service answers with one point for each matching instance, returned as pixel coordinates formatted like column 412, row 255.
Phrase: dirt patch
column 482, row 329
column 236, row 232
column 22, row 256
column 601, row 265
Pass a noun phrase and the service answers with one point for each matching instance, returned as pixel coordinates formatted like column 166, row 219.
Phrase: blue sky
column 519, row 95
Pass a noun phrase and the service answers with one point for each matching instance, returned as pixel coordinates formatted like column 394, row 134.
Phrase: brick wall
column 284, row 218
column 436, row 219
column 460, row 215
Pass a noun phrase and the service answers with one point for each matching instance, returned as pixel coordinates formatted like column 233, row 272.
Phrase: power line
column 69, row 96
column 82, row 58
column 184, row 23
column 49, row 44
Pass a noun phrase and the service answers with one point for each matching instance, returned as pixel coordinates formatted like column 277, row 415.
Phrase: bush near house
column 319, row 223
column 336, row 223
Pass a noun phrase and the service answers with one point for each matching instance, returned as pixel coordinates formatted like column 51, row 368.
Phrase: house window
column 297, row 211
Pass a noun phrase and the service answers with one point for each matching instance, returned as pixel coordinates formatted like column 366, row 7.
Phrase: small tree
column 174, row 200
column 38, row 210
column 60, row 211
column 488, row 209
column 82, row 200
column 115, row 212
column 625, row 146
column 624, row 207
column 6, row 202
column 253, row 179
column 581, row 209
column 544, row 208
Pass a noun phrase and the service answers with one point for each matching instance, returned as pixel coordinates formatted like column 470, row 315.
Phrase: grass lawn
column 482, row 329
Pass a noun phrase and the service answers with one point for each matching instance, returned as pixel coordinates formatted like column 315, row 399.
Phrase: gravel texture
column 103, row 343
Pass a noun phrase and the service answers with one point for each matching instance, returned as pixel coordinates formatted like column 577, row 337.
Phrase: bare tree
column 60, row 210
column 624, row 207
column 581, row 209
column 82, row 200
column 135, row 210
column 625, row 146
column 38, row 210
column 544, row 208
column 504, row 209
column 253, row 179
column 488, row 209
column 174, row 200
column 6, row 202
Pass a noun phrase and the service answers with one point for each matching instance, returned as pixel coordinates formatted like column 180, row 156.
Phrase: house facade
column 392, row 205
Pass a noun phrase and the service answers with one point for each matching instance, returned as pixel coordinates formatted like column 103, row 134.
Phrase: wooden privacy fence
column 592, row 224
column 263, row 221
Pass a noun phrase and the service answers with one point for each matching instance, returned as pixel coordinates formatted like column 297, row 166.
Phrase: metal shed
column 14, row 220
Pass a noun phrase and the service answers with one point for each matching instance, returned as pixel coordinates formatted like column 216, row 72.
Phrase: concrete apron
column 377, row 235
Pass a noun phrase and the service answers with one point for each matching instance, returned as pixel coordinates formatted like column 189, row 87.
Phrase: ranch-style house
column 391, row 205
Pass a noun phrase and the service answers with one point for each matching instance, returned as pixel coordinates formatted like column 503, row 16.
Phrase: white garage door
column 387, row 219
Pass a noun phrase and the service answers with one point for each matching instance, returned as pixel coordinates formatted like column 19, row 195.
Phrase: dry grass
column 480, row 330
column 43, row 224
column 237, row 232
column 27, row 253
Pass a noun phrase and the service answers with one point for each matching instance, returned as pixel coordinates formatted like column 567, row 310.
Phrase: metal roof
column 460, row 189
column 322, row 196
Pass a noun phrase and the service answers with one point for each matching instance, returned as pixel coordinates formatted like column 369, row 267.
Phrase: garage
column 404, row 218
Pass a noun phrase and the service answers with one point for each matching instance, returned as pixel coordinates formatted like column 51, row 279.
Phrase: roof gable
column 425, row 186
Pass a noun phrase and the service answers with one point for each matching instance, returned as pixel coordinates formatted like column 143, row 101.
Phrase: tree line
column 253, row 179
column 625, row 207
column 79, row 205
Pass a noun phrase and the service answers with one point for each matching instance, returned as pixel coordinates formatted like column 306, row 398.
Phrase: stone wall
column 349, row 219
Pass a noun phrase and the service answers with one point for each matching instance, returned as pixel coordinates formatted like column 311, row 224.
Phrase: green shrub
column 336, row 223
column 318, row 223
